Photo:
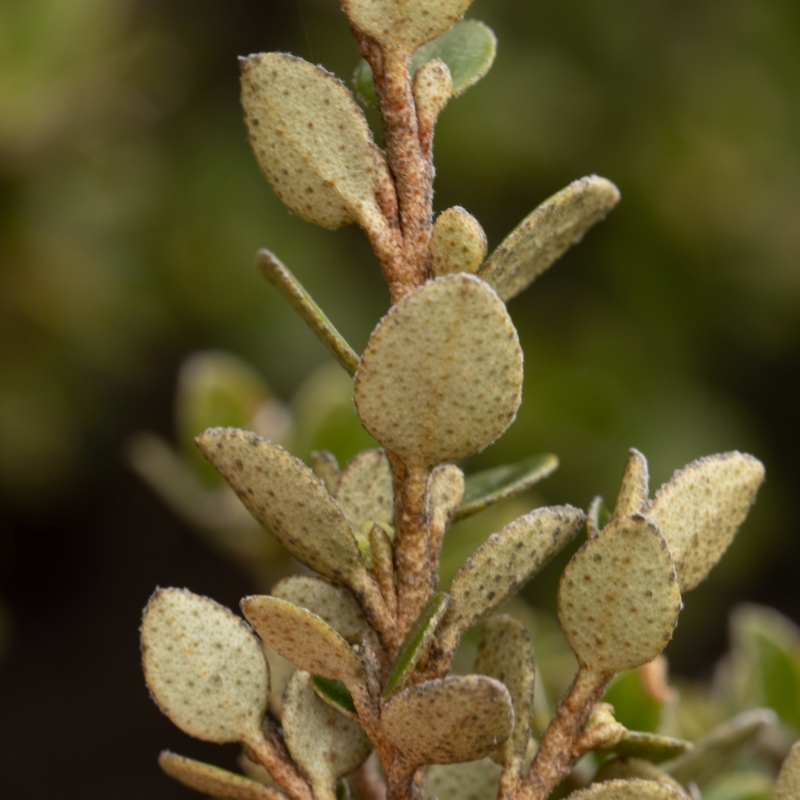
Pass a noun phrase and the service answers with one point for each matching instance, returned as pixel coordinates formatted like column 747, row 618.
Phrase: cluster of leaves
column 370, row 638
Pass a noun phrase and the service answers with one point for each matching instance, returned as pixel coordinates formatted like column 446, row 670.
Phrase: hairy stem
column 271, row 753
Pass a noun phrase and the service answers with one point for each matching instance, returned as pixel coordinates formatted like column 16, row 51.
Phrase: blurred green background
column 130, row 210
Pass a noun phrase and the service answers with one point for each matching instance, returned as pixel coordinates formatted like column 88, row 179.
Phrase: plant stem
column 271, row 754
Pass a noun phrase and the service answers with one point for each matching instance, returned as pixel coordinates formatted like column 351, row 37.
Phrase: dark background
column 130, row 209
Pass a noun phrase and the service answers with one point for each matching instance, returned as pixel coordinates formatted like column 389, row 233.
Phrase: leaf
column 468, row 49
column 700, row 509
column 618, row 599
column 432, row 88
column 365, row 491
column 417, row 643
column 213, row 780
column 326, row 468
column 505, row 653
column 743, row 786
column 787, row 787
column 631, row 789
column 546, row 234
column 289, row 500
column 597, row 517
column 633, row 496
column 719, row 749
column 311, row 140
column 623, row 767
column 335, row 694
column 651, row 746
column 204, row 667
column 458, row 243
column 460, row 718
column 486, row 488
column 325, row 743
column 504, row 563
column 447, row 490
column 333, row 604
column 441, row 376
column 473, row 780
column 633, row 707
column 404, row 25
column 302, row 637
column 301, row 301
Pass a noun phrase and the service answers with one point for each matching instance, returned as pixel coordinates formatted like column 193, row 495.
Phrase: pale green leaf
column 458, row 243
column 745, row 786
column 651, row 746
column 597, row 517
column 432, row 88
column 630, row 789
column 473, row 780
column 633, row 494
column 787, row 787
column 365, row 491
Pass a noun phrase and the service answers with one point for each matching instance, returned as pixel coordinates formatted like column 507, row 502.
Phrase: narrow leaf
column 335, row 694
column 365, row 491
column 787, row 787
column 618, row 599
column 441, row 377
column 458, row 243
column 473, row 780
column 597, row 517
column 302, row 302
column 633, row 494
column 432, row 88
column 546, row 234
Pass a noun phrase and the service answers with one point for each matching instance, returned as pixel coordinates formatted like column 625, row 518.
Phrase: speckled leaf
column 335, row 694
column 719, row 748
column 285, row 496
column 787, row 787
column 302, row 302
column 486, row 488
column 416, row 643
column 632, row 789
column 326, row 468
column 458, row 243
column 505, row 653
column 460, row 718
column 504, row 563
column 365, row 491
column 432, row 88
column 332, row 604
column 473, row 780
column 311, row 140
column 546, row 234
column 597, row 517
column 618, row 600
column 623, row 767
column 204, row 667
column 404, row 25
column 700, row 509
column 468, row 49
column 446, row 491
column 441, row 377
column 325, row 743
column 633, row 496
column 214, row 781
column 302, row 637
column 651, row 746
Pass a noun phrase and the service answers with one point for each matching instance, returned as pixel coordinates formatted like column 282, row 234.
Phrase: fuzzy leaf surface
column 365, row 490
column 787, row 787
column 633, row 496
column 651, row 746
column 458, row 243
column 631, row 789
column 441, row 376
column 623, row 768
column 447, row 491
column 546, row 234
column 700, row 509
column 204, row 667
column 473, row 780
column 618, row 599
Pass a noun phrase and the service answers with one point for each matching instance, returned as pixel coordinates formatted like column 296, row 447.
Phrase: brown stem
column 271, row 753
column 404, row 781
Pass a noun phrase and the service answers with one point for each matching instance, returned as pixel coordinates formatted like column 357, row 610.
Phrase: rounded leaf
column 204, row 667
column 787, row 787
column 365, row 490
column 441, row 377
column 633, row 494
column 618, row 600
column 474, row 780
column 458, row 243
column 632, row 789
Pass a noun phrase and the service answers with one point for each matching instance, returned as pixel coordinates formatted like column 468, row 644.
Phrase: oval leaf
column 623, row 767
column 365, row 490
column 214, row 781
column 633, row 494
column 787, row 787
column 335, row 694
column 460, row 718
column 311, row 140
column 700, row 509
column 618, row 599
column 458, row 243
column 546, row 234
column 474, row 780
column 651, row 746
column 204, row 667
column 441, row 377
column 632, row 789
column 285, row 496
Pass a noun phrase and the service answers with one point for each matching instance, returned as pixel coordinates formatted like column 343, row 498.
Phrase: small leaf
column 504, row 563
column 302, row 637
column 631, row 789
column 546, row 234
column 311, row 140
column 204, row 667
column 416, row 643
column 651, row 746
column 597, row 517
column 618, row 599
column 289, row 500
column 326, row 468
column 302, row 302
column 441, row 377
column 458, row 243
column 325, row 743
column 719, row 748
column 505, row 653
column 333, row 604
column 212, row 780
column 404, row 25
column 633, row 494
column 473, row 780
column 486, row 488
column 623, row 767
column 335, row 694
column 365, row 491
column 460, row 718
column 432, row 88
column 447, row 490
column 787, row 787
column 702, row 507
column 468, row 49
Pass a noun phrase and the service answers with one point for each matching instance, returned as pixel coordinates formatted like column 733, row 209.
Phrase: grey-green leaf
column 633, row 491
column 630, row 789
column 483, row 489
column 473, row 780
column 651, row 746
column 787, row 787
column 365, row 491
column 546, row 234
